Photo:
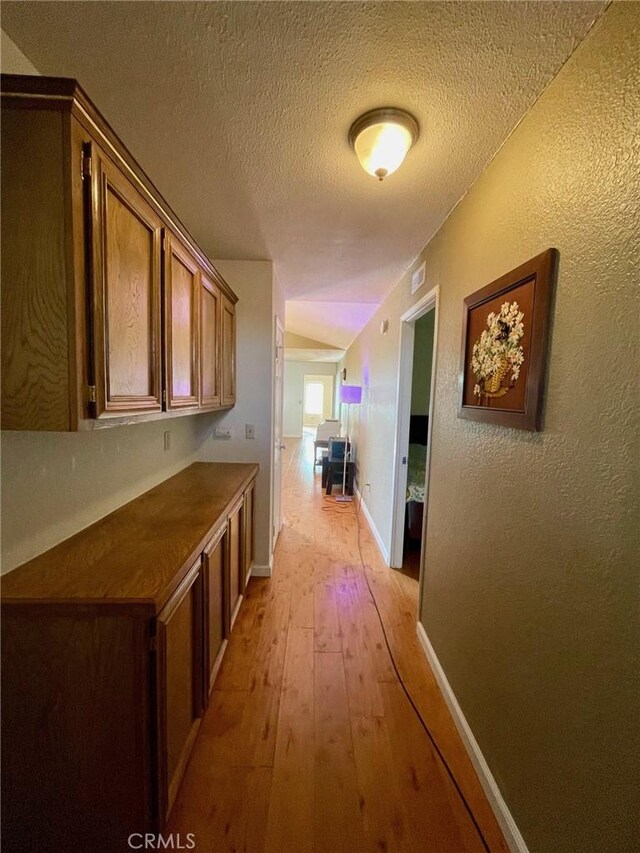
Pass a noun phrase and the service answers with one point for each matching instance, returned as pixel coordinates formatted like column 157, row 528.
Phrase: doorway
column 418, row 347
column 317, row 400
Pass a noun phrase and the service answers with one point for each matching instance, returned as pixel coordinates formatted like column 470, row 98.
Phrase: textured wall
column 531, row 581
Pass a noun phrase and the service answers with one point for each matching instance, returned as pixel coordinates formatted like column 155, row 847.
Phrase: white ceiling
column 240, row 111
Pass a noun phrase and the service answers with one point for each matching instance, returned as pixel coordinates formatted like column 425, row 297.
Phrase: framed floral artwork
column 504, row 346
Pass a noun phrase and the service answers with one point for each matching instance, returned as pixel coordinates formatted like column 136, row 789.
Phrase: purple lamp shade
column 350, row 393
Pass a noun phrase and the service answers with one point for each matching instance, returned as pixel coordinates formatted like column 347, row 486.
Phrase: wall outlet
column 222, row 432
column 249, row 431
column 167, row 440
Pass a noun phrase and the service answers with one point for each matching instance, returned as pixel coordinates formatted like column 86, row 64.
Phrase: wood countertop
column 140, row 552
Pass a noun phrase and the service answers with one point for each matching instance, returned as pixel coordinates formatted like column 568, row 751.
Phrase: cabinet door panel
column 235, row 562
column 247, row 524
column 182, row 291
column 126, row 241
column 228, row 352
column 210, row 367
column 180, row 679
column 215, row 569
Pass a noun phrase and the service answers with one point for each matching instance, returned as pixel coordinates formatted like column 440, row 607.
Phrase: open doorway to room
column 415, row 403
column 317, row 400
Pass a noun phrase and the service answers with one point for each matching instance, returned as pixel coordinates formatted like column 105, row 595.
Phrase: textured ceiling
column 239, row 112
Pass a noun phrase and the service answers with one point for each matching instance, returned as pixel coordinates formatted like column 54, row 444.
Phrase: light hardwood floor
column 309, row 742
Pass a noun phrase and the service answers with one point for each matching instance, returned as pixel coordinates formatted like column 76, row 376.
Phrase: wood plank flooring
column 309, row 744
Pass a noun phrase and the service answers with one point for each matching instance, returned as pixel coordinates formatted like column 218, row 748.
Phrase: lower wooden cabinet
column 107, row 669
column 179, row 683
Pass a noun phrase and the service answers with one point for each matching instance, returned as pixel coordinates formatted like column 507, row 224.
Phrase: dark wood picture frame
column 540, row 272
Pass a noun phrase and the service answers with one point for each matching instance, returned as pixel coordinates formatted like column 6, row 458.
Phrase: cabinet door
column 210, row 366
column 179, row 683
column 228, row 352
column 236, row 549
column 126, row 295
column 181, row 299
column 247, row 525
column 215, row 605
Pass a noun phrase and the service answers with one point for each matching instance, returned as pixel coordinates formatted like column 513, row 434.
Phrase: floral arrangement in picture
column 497, row 355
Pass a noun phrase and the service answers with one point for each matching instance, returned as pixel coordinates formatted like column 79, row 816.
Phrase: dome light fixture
column 382, row 138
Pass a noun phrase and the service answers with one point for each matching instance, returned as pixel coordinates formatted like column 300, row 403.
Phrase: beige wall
column 258, row 298
column 54, row 484
column 530, row 588
column 12, row 59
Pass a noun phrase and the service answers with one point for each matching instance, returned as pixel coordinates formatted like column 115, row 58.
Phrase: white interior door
column 278, row 446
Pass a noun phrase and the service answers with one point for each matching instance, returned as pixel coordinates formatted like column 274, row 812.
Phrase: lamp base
column 343, row 499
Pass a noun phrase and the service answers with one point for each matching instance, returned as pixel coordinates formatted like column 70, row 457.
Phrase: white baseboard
column 374, row 529
column 261, row 572
column 504, row 817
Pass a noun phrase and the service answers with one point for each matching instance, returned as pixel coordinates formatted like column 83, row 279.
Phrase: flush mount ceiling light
column 381, row 139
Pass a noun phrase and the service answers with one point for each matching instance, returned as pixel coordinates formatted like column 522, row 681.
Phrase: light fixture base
column 382, row 114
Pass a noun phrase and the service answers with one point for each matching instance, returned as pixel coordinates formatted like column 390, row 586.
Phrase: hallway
column 309, row 742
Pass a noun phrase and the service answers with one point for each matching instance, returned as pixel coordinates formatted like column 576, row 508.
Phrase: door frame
column 429, row 301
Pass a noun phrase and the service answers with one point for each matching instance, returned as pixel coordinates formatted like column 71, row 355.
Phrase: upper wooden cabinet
column 93, row 305
column 228, row 352
column 182, row 299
